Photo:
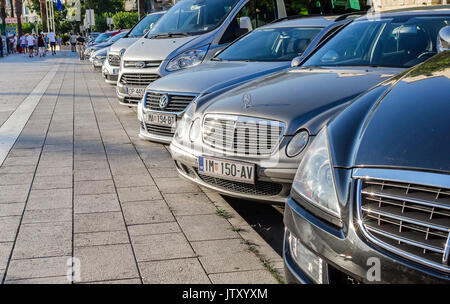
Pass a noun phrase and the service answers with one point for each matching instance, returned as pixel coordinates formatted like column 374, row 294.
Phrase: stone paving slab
column 80, row 188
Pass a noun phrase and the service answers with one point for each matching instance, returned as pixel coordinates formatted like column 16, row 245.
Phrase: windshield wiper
column 169, row 35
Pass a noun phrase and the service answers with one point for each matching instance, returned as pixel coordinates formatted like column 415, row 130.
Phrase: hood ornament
column 247, row 100
column 164, row 101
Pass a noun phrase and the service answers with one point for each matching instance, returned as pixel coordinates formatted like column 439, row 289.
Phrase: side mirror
column 297, row 61
column 245, row 23
column 151, row 25
column 444, row 39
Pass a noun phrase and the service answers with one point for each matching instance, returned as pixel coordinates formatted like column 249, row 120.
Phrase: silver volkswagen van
column 190, row 32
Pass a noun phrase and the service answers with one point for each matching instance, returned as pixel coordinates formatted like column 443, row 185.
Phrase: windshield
column 117, row 37
column 144, row 26
column 273, row 44
column 102, row 37
column 193, row 17
column 393, row 42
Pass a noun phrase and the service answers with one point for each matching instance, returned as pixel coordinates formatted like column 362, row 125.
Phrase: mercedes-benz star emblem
column 247, row 100
column 164, row 101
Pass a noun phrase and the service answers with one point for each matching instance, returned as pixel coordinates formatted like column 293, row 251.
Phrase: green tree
column 105, row 6
column 125, row 20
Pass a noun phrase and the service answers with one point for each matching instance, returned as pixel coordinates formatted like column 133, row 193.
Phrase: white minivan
column 189, row 33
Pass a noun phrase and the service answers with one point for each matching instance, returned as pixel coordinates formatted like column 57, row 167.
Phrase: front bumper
column 97, row 63
column 110, row 73
column 347, row 257
column 272, row 184
column 124, row 98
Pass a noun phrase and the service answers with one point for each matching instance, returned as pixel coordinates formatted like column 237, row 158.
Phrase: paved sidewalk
column 79, row 183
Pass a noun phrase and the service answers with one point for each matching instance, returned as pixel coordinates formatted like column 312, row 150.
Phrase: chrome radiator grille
column 242, row 135
column 409, row 219
column 177, row 102
column 142, row 80
column 114, row 60
column 160, row 130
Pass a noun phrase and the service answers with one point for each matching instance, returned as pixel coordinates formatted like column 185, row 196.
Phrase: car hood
column 410, row 127
column 121, row 44
column 299, row 97
column 154, row 49
column 214, row 75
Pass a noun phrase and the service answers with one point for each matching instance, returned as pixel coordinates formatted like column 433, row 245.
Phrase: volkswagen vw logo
column 141, row 64
column 164, row 101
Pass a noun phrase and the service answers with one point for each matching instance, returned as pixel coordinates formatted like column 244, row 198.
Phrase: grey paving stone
column 244, row 277
column 24, row 152
column 161, row 247
column 37, row 268
column 91, row 165
column 122, row 181
column 17, row 169
column 41, row 281
column 117, row 262
column 47, row 216
column 94, row 187
column 146, row 212
column 121, row 282
column 97, row 222
column 133, row 194
column 5, row 251
column 43, row 240
column 20, row 161
column 181, row 271
column 92, row 174
column 206, row 227
column 52, row 182
column 166, row 172
column 226, row 256
column 50, row 199
column 176, row 185
column 14, row 194
column 190, row 204
column 8, row 228
column 16, row 179
column 96, row 203
column 59, row 171
column 9, row 209
column 148, row 229
column 101, row 238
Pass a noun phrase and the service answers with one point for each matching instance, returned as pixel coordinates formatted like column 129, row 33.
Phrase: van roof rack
column 338, row 18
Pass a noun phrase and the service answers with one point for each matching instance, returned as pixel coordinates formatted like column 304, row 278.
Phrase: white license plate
column 136, row 92
column 115, row 72
column 161, row 119
column 230, row 170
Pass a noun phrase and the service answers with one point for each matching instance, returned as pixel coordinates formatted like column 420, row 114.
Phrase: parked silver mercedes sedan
column 248, row 142
column 265, row 50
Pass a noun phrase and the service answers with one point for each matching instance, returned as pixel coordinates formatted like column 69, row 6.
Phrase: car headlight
column 184, row 126
column 314, row 180
column 187, row 59
column 195, row 131
column 122, row 52
column 297, row 144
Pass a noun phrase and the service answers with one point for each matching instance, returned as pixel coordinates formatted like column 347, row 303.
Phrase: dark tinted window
column 323, row 7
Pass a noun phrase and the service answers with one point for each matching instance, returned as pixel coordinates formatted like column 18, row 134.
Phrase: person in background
column 59, row 40
column 73, row 41
column 35, row 43
column 30, row 45
column 41, row 45
column 80, row 46
column 23, row 44
column 1, row 45
column 52, row 39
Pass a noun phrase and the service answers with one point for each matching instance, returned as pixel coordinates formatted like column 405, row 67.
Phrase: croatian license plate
column 136, row 92
column 230, row 170
column 162, row 119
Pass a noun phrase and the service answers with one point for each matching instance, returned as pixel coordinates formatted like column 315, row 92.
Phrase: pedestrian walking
column 23, row 43
column 80, row 46
column 59, row 40
column 73, row 41
column 41, row 45
column 30, row 45
column 52, row 39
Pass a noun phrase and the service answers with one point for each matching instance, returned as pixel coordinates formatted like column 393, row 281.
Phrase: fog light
column 309, row 263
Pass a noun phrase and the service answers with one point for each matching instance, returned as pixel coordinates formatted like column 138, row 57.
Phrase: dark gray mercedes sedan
column 248, row 142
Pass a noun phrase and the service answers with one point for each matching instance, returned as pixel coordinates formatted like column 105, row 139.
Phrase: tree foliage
column 125, row 20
